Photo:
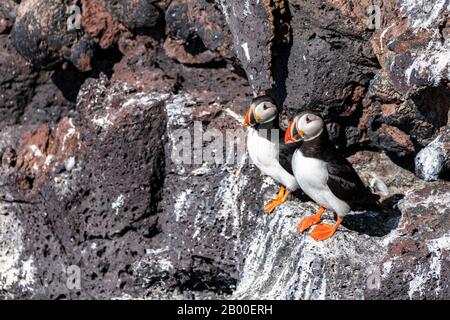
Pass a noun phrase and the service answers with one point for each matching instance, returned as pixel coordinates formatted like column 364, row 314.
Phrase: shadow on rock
column 376, row 224
column 281, row 51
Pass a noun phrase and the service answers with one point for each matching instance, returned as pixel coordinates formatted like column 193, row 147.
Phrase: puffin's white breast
column 312, row 176
column 264, row 154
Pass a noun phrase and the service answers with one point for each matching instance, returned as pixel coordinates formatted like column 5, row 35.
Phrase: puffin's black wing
column 345, row 184
column 286, row 153
column 285, row 156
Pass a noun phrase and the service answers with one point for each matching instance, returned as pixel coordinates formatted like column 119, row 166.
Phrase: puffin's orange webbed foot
column 307, row 222
column 281, row 198
column 324, row 231
column 268, row 208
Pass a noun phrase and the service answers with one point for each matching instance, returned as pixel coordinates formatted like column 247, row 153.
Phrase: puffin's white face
column 306, row 127
column 261, row 112
column 311, row 125
column 265, row 112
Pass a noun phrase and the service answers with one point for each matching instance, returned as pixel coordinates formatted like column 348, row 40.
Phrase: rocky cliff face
column 94, row 203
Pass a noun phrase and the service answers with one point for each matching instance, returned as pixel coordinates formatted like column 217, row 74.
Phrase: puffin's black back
column 343, row 180
column 286, row 153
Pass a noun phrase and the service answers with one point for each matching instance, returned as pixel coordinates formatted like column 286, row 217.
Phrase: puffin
column 325, row 175
column 266, row 147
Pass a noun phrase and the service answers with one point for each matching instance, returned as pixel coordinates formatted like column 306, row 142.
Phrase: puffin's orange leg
column 307, row 222
column 324, row 231
column 281, row 197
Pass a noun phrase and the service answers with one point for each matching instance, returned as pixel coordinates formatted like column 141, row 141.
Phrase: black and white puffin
column 267, row 149
column 325, row 175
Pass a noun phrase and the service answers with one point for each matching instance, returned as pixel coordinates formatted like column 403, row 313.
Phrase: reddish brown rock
column 112, row 200
column 399, row 138
column 176, row 50
column 140, row 65
column 100, row 24
column 44, row 151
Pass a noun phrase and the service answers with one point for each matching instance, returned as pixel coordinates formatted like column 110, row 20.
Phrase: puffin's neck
column 265, row 129
column 274, row 124
column 318, row 147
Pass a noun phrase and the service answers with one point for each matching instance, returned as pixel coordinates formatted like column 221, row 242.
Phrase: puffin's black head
column 263, row 109
column 305, row 127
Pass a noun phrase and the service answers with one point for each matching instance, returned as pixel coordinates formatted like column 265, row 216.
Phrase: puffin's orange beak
column 288, row 135
column 248, row 116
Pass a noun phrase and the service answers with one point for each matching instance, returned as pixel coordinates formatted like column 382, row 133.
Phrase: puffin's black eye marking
column 264, row 107
column 308, row 120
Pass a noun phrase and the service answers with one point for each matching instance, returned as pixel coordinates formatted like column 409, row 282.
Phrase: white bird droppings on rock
column 36, row 151
column 103, row 122
column 118, row 203
column 430, row 160
column 423, row 12
column 15, row 270
column 180, row 203
column 69, row 163
column 246, row 51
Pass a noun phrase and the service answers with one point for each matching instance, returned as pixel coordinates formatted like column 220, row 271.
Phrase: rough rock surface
column 197, row 32
column 40, row 32
column 135, row 14
column 30, row 96
column 74, row 174
column 417, row 264
column 411, row 89
column 7, row 15
column 16, row 79
column 91, row 122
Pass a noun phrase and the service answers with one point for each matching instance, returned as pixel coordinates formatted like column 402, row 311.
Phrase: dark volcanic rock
column 43, row 32
column 197, row 32
column 40, row 33
column 129, row 126
column 101, row 211
column 7, row 15
column 135, row 14
column 198, row 246
column 251, row 40
column 16, row 79
column 145, row 65
column 201, row 202
column 413, row 46
column 30, row 96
